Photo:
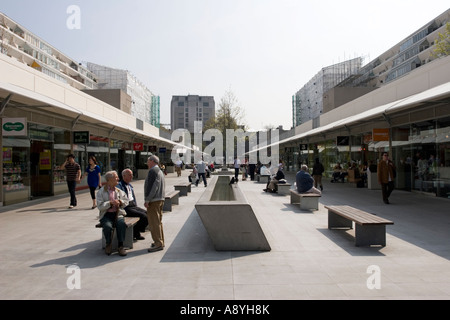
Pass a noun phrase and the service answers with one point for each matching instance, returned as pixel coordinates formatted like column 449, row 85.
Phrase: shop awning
column 33, row 99
column 427, row 96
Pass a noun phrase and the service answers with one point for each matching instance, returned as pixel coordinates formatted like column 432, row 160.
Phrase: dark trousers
column 386, row 190
column 134, row 211
column 71, row 186
column 203, row 177
column 109, row 222
column 236, row 173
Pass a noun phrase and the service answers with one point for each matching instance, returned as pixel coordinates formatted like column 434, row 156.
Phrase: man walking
column 385, row 173
column 154, row 193
column 73, row 176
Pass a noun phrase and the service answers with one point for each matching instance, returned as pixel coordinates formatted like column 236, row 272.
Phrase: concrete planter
column 229, row 219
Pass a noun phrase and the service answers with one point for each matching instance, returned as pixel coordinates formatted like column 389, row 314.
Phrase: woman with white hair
column 111, row 202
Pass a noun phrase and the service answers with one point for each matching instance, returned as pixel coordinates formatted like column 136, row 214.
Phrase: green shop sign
column 14, row 127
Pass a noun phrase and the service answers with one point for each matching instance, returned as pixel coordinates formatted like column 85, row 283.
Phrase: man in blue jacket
column 304, row 181
column 132, row 209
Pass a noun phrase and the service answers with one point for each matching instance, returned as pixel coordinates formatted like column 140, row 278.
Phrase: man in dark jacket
column 274, row 181
column 318, row 169
column 304, row 181
column 132, row 209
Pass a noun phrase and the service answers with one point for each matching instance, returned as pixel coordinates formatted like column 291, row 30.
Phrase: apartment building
column 185, row 110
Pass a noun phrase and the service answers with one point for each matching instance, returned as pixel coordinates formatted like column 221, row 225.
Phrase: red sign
column 380, row 134
column 138, row 146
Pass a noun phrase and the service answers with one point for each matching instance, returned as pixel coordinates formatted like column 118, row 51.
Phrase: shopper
column 73, row 176
column 386, row 176
column 94, row 178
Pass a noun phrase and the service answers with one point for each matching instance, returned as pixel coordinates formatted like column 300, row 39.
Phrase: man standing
column 304, row 181
column 73, row 176
column 318, row 169
column 154, row 193
column 201, row 171
column 132, row 208
column 385, row 173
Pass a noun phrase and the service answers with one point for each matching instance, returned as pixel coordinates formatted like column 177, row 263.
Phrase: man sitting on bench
column 271, row 186
column 132, row 208
column 305, row 182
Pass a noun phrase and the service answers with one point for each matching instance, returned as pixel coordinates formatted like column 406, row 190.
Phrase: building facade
column 144, row 104
column 46, row 115
column 308, row 102
column 407, row 115
column 186, row 110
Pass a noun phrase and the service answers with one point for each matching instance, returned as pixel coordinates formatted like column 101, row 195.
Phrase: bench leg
column 295, row 198
column 127, row 243
column 336, row 221
column 183, row 191
column 370, row 235
column 309, row 203
column 167, row 205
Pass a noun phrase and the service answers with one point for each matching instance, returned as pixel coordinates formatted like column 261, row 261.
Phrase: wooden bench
column 283, row 188
column 369, row 228
column 184, row 188
column 172, row 197
column 128, row 242
column 308, row 201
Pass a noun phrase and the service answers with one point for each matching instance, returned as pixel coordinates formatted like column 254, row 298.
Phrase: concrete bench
column 308, row 201
column 171, row 198
column 283, row 188
column 128, row 242
column 263, row 178
column 369, row 228
column 184, row 188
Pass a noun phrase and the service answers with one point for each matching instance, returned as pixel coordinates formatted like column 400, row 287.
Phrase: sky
column 263, row 51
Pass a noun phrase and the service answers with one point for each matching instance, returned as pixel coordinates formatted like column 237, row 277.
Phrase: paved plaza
column 44, row 242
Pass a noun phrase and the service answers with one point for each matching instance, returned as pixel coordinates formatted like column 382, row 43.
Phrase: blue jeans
column 203, row 177
column 109, row 223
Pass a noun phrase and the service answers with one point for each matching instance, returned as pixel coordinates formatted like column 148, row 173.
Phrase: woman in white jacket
column 111, row 202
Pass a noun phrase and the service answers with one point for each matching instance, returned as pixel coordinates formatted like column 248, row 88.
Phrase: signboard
column 380, row 134
column 342, row 140
column 162, row 150
column 152, row 149
column 303, row 147
column 81, row 137
column 138, row 146
column 45, row 162
column 14, row 127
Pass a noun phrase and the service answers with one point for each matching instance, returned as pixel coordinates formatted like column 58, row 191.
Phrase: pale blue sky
column 262, row 50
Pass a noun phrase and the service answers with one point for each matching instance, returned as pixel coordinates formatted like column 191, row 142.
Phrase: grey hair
column 124, row 171
column 154, row 158
column 110, row 174
column 304, row 167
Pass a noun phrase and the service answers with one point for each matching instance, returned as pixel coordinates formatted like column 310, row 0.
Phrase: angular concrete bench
column 265, row 178
column 128, row 242
column 229, row 219
column 283, row 188
column 172, row 197
column 184, row 188
column 369, row 228
column 308, row 201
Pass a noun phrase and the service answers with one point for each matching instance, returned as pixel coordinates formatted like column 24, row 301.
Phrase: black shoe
column 139, row 238
column 321, row 188
column 265, row 190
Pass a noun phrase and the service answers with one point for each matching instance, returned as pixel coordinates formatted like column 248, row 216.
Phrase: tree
column 229, row 114
column 442, row 43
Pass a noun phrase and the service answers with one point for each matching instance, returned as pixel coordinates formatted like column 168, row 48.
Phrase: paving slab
column 44, row 242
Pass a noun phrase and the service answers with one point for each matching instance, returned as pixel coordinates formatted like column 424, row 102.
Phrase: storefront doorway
column 41, row 168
